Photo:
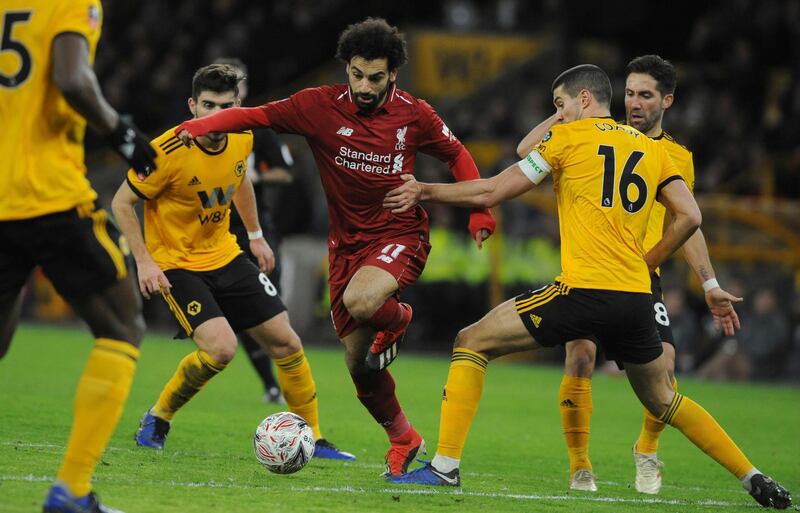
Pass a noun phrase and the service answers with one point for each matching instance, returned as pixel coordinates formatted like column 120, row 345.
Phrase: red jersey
column 360, row 155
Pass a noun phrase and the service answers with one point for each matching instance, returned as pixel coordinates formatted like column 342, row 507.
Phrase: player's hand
column 264, row 255
column 481, row 225
column 720, row 303
column 190, row 130
column 186, row 137
column 133, row 146
column 652, row 263
column 405, row 197
column 480, row 236
column 152, row 279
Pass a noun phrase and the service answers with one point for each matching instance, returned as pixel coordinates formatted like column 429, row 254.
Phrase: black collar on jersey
column 209, row 152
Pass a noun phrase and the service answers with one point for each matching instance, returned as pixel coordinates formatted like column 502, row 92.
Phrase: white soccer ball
column 284, row 442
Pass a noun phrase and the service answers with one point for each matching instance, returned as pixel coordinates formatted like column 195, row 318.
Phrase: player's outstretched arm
column 75, row 78
column 235, row 119
column 536, row 135
column 151, row 278
column 483, row 193
column 686, row 219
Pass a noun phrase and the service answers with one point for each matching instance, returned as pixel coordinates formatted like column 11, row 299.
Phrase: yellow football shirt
column 41, row 169
column 188, row 201
column 682, row 158
column 606, row 177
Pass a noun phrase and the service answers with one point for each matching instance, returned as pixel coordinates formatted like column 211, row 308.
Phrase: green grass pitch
column 514, row 461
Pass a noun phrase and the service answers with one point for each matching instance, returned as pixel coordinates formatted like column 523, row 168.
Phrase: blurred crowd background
column 487, row 66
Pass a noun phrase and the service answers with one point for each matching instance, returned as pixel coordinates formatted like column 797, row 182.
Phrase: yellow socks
column 651, row 430
column 462, row 393
column 701, row 428
column 575, row 404
column 194, row 371
column 102, row 391
column 299, row 389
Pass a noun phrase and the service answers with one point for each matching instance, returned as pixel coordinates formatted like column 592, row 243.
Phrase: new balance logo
column 536, row 320
column 194, row 181
column 347, row 132
column 567, row 403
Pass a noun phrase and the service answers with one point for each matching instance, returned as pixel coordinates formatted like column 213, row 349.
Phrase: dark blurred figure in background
column 759, row 351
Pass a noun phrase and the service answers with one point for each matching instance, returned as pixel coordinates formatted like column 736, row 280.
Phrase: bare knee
column 129, row 330
column 580, row 358
column 136, row 330
column 284, row 346
column 658, row 401
column 223, row 353
column 220, row 346
column 358, row 304
column 468, row 338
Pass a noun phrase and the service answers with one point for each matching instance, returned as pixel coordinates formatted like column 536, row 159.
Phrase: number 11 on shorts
column 390, row 252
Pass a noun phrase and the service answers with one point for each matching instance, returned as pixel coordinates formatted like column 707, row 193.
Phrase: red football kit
column 360, row 156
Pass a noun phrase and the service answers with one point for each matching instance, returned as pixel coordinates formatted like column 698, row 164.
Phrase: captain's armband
column 535, row 167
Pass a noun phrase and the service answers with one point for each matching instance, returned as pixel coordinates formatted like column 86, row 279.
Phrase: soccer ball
column 283, row 443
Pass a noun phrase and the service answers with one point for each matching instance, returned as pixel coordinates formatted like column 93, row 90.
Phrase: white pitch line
column 172, row 454
column 531, row 497
column 400, row 491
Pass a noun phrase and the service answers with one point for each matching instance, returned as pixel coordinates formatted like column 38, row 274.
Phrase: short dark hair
column 660, row 69
column 235, row 62
column 372, row 39
column 586, row 76
column 219, row 78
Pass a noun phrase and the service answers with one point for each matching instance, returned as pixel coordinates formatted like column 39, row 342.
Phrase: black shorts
column 78, row 250
column 621, row 322
column 237, row 291
column 270, row 235
column 660, row 311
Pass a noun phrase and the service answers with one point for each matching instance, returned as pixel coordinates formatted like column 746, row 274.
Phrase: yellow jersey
column 188, row 201
column 682, row 158
column 42, row 169
column 606, row 177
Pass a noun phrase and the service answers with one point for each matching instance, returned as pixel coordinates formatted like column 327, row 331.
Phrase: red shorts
column 403, row 257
